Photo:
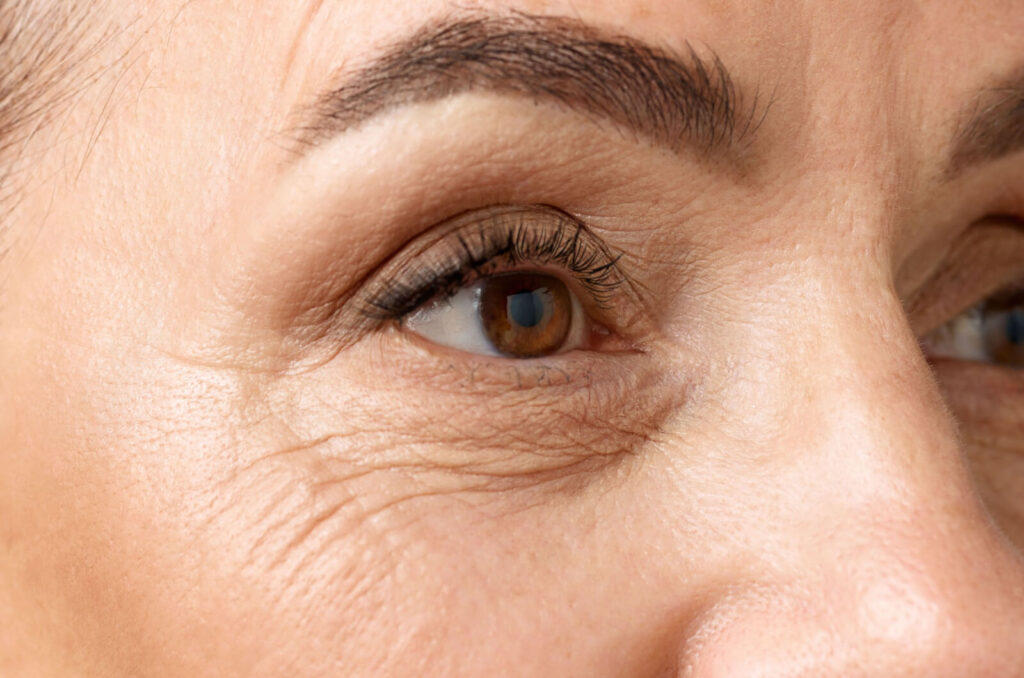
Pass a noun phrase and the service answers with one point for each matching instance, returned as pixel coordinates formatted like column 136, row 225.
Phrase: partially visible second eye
column 991, row 332
column 514, row 315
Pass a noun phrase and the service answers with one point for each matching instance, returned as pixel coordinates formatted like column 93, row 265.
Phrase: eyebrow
column 676, row 102
column 994, row 129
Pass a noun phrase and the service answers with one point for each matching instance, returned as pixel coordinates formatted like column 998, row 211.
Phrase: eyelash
column 1008, row 298
column 495, row 241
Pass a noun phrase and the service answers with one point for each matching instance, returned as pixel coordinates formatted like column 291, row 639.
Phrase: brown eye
column 525, row 315
column 511, row 315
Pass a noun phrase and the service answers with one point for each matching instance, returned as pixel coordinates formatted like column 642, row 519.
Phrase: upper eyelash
column 1006, row 298
column 510, row 236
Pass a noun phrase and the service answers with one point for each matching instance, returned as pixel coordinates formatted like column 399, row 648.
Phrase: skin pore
column 228, row 448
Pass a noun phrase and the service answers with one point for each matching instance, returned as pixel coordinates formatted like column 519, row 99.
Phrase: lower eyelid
column 441, row 370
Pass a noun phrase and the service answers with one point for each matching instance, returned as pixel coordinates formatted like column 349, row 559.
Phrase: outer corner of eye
column 513, row 315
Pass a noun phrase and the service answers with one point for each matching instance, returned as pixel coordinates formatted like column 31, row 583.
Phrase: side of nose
column 892, row 566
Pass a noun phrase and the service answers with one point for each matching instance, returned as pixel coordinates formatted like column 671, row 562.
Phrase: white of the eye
column 962, row 338
column 455, row 322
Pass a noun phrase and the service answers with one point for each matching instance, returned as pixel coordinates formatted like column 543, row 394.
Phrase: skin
column 200, row 481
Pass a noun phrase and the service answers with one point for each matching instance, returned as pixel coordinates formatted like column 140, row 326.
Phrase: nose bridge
column 896, row 569
column 862, row 411
column 872, row 404
column 887, row 436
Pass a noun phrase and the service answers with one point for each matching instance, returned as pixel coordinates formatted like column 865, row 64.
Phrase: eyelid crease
column 478, row 243
column 984, row 263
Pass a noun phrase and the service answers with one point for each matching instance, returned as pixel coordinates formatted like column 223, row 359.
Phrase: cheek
column 125, row 449
column 453, row 525
column 988, row 403
column 355, row 556
column 1000, row 475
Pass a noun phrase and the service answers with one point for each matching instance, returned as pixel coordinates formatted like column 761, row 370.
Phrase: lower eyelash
column 490, row 241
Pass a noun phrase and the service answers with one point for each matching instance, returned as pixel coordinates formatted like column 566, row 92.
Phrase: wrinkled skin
column 201, row 480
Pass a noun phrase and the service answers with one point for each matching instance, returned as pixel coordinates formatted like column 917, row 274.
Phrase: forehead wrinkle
column 312, row 12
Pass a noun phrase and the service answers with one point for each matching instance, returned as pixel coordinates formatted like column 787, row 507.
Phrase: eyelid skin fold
column 987, row 258
column 484, row 242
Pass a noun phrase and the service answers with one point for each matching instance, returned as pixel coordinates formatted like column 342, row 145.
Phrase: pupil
column 526, row 309
column 525, row 315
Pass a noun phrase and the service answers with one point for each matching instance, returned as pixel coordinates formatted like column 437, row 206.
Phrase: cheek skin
column 489, row 423
column 442, row 527
column 114, row 520
column 988, row 402
column 392, row 513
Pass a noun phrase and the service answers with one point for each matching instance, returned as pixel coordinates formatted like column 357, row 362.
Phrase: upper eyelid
column 1009, row 296
column 535, row 234
column 983, row 262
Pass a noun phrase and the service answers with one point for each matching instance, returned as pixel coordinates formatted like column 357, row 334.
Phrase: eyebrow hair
column 47, row 60
column 994, row 129
column 43, row 47
column 673, row 101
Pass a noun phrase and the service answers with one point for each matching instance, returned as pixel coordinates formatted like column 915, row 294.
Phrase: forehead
column 898, row 77
column 915, row 63
column 813, row 55
column 877, row 87
column 780, row 29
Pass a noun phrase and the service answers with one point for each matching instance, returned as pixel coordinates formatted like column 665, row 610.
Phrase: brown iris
column 525, row 314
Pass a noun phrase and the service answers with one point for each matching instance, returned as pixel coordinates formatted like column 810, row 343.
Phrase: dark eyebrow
column 675, row 102
column 994, row 129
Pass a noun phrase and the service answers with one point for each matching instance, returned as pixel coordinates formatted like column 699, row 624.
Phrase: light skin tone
column 216, row 462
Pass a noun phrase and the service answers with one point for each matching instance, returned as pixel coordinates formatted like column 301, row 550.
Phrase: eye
column 506, row 281
column 990, row 332
column 516, row 315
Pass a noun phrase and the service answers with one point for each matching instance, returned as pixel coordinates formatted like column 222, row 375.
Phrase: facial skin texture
column 207, row 474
